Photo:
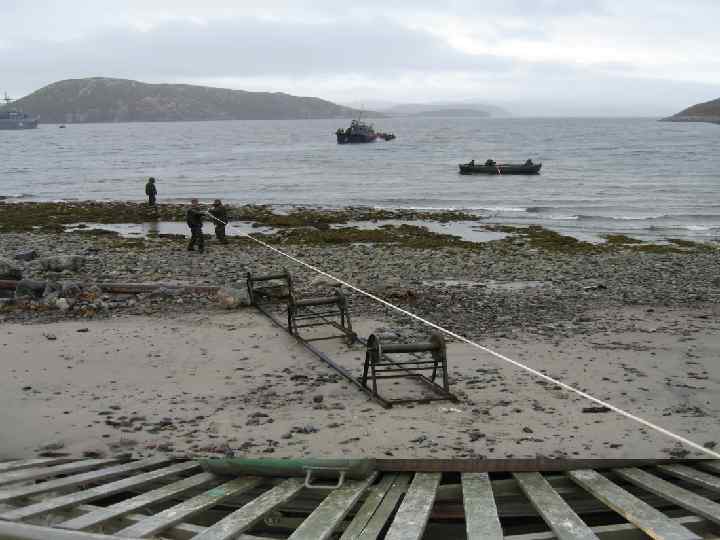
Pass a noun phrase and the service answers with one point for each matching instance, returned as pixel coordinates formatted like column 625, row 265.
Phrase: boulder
column 231, row 298
column 29, row 288
column 9, row 270
column 25, row 255
column 60, row 263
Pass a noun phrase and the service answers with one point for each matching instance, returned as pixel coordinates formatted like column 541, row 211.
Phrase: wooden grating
column 170, row 498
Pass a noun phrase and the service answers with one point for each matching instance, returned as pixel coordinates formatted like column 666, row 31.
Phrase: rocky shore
column 533, row 280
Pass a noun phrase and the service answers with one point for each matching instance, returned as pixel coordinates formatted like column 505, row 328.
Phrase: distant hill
column 702, row 112
column 100, row 99
column 453, row 113
column 445, row 109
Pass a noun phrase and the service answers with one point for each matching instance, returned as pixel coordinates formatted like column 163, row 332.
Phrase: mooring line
column 515, row 363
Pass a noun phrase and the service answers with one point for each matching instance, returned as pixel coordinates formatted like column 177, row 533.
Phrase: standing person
column 194, row 218
column 219, row 212
column 151, row 191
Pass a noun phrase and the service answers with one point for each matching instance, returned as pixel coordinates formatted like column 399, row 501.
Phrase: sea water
column 649, row 179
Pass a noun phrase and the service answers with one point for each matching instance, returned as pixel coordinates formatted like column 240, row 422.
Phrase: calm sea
column 639, row 176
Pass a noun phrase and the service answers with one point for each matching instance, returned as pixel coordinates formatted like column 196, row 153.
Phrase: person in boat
column 151, row 191
column 490, row 163
column 472, row 163
column 194, row 219
column 219, row 212
column 529, row 163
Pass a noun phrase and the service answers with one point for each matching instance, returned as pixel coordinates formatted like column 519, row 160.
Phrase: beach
column 171, row 371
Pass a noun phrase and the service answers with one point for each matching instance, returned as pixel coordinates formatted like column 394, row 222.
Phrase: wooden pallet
column 95, row 499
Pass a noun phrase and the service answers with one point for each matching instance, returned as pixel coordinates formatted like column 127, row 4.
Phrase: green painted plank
column 387, row 508
column 375, row 496
column 59, row 503
column 26, row 475
column 414, row 512
column 563, row 521
column 682, row 497
column 655, row 524
column 692, row 476
column 329, row 514
column 78, row 479
column 481, row 517
column 17, row 464
column 140, row 501
column 244, row 518
column 186, row 509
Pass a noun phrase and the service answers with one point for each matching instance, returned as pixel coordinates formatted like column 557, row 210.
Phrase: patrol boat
column 13, row 118
column 360, row 132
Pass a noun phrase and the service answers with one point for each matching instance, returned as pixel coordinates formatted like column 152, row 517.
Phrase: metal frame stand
column 378, row 365
column 333, row 311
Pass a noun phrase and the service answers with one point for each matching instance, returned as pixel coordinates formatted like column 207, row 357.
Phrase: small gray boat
column 490, row 167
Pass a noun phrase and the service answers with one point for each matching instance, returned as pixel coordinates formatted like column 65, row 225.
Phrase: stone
column 232, row 298
column 60, row 263
column 70, row 289
column 25, row 255
column 63, row 304
column 9, row 270
column 29, row 288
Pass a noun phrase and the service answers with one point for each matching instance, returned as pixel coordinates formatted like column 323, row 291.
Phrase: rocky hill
column 702, row 112
column 102, row 99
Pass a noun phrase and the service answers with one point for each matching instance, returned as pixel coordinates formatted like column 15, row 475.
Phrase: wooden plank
column 186, row 509
column 682, row 497
column 377, row 523
column 710, row 466
column 414, row 512
column 563, row 521
column 78, row 479
column 244, row 518
column 35, row 473
column 624, row 531
column 18, row 464
column 655, row 524
column 375, row 496
column 481, row 517
column 105, row 490
column 135, row 503
column 24, row 531
column 329, row 514
column 692, row 476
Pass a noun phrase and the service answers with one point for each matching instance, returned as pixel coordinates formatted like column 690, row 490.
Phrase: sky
column 532, row 57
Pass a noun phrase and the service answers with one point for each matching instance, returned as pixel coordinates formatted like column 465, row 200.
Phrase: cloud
column 593, row 51
column 248, row 47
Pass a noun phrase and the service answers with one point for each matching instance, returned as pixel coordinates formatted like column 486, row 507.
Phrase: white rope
column 515, row 363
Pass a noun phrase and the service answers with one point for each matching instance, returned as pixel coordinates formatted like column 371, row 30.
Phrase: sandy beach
column 173, row 372
column 198, row 384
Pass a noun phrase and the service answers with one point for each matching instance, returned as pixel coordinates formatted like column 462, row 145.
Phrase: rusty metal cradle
column 164, row 497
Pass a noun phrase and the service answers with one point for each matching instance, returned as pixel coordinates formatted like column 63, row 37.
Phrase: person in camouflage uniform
column 219, row 212
column 151, row 191
column 194, row 218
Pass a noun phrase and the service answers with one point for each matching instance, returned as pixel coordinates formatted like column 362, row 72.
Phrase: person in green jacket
column 219, row 212
column 151, row 191
column 194, row 218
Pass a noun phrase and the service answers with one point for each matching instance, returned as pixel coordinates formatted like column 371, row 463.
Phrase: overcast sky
column 534, row 57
